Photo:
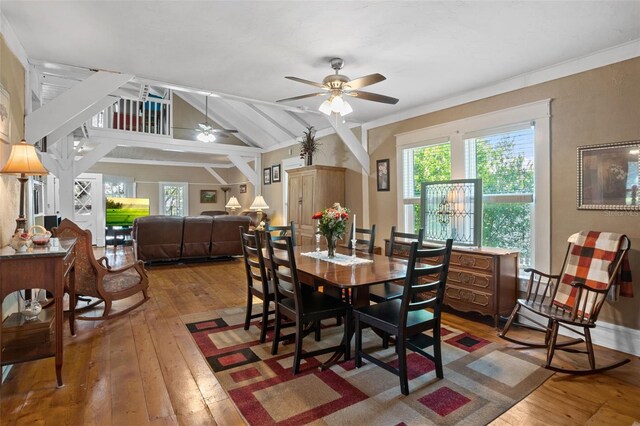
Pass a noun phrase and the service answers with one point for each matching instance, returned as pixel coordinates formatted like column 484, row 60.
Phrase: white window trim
column 456, row 132
column 161, row 196
column 288, row 164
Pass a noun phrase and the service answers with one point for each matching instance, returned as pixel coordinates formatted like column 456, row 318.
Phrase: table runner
column 339, row 259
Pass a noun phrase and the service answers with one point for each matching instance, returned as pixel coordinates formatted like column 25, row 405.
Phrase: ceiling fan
column 336, row 85
column 206, row 132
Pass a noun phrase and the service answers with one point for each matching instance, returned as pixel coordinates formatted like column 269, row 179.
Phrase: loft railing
column 152, row 116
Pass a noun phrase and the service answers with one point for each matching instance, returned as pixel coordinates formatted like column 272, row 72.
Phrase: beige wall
column 597, row 106
column 333, row 152
column 12, row 79
column 147, row 180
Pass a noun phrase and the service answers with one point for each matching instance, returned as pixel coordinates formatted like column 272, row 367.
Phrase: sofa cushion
column 225, row 235
column 214, row 213
column 158, row 237
column 196, row 236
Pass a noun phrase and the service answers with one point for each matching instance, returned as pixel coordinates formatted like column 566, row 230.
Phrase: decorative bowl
column 39, row 235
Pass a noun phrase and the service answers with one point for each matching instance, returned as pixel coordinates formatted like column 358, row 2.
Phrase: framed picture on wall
column 382, row 174
column 5, row 116
column 208, row 196
column 608, row 176
column 243, row 188
column 275, row 173
column 266, row 179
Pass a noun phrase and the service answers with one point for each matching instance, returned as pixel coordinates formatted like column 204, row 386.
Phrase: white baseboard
column 612, row 336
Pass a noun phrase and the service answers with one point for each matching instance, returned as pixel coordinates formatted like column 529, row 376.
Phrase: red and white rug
column 481, row 381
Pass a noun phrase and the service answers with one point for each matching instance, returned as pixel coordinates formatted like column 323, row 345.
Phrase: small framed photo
column 5, row 116
column 243, row 188
column 266, row 178
column 275, row 173
column 208, row 196
column 382, row 174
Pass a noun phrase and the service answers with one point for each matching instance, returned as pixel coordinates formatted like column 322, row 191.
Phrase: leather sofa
column 172, row 238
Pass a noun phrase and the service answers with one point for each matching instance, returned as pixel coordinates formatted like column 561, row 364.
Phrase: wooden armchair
column 573, row 299
column 95, row 278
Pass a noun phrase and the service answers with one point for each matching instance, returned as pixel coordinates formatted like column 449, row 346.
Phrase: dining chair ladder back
column 306, row 307
column 258, row 283
column 407, row 318
column 282, row 231
column 369, row 243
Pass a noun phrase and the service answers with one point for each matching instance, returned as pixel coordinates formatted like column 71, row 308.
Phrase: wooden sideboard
column 482, row 280
column 47, row 268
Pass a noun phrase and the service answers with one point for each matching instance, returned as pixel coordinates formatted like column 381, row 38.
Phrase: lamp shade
column 259, row 203
column 233, row 203
column 24, row 160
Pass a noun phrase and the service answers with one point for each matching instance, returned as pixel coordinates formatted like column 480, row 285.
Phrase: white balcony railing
column 152, row 116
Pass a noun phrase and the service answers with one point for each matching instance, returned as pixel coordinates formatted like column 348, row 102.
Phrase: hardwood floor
column 144, row 368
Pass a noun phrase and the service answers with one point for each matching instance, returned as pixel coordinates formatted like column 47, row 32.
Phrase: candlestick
column 354, row 239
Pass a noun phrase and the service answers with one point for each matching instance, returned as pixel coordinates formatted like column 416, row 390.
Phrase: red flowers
column 317, row 215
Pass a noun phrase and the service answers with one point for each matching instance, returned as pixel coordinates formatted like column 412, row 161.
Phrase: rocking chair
column 96, row 279
column 573, row 299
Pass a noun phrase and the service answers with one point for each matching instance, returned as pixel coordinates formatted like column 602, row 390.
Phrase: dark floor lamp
column 23, row 161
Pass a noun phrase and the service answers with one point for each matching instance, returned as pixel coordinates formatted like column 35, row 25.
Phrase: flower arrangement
column 309, row 145
column 332, row 224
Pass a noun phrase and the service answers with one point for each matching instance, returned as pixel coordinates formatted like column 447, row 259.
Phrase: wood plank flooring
column 144, row 368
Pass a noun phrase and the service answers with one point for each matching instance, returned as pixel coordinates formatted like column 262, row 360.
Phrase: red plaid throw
column 590, row 261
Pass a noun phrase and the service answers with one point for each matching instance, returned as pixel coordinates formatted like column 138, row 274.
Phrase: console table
column 482, row 280
column 49, row 268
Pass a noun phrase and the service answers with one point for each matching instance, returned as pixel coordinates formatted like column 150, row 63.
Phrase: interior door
column 88, row 203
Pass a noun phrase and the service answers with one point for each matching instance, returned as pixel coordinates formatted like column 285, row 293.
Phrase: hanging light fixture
column 335, row 105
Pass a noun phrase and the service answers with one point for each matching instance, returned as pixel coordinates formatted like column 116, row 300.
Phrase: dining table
column 316, row 270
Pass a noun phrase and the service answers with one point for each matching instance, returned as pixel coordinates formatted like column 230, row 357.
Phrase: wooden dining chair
column 280, row 231
column 97, row 279
column 408, row 317
column 573, row 299
column 389, row 290
column 305, row 308
column 258, row 283
column 369, row 243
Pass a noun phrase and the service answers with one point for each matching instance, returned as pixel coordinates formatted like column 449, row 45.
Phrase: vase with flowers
column 309, row 145
column 332, row 223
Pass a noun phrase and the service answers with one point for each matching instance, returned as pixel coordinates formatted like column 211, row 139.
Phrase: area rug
column 481, row 381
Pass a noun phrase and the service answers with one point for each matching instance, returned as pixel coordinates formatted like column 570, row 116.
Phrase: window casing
column 174, row 199
column 520, row 128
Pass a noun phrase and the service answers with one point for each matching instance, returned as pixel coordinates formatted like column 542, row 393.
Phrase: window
column 118, row 186
column 505, row 163
column 509, row 151
column 431, row 162
column 174, row 199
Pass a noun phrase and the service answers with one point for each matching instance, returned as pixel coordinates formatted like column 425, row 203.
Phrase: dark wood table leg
column 58, row 325
column 72, row 300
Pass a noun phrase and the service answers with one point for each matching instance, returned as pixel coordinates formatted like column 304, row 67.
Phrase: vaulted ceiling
column 241, row 51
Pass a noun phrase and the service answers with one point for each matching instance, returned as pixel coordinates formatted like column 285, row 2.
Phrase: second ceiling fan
column 336, row 85
column 206, row 132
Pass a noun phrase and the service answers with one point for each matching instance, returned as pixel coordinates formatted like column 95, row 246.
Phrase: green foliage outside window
column 503, row 170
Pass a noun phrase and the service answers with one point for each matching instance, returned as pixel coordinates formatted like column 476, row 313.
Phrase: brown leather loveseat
column 171, row 238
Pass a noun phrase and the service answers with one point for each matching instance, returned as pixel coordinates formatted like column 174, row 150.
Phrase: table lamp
column 233, row 204
column 23, row 161
column 259, row 204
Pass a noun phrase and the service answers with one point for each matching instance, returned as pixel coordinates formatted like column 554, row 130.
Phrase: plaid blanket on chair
column 590, row 261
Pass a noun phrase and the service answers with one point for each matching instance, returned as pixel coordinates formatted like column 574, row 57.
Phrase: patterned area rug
column 481, row 381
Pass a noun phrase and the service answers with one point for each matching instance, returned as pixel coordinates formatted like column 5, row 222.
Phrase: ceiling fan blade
column 295, row 98
column 367, row 80
column 183, row 128
column 302, row 80
column 223, row 131
column 372, row 97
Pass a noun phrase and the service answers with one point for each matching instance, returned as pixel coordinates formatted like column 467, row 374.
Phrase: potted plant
column 309, row 145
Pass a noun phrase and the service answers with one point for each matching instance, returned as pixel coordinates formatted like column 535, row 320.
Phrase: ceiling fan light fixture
column 206, row 137
column 325, row 107
column 346, row 109
column 337, row 103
